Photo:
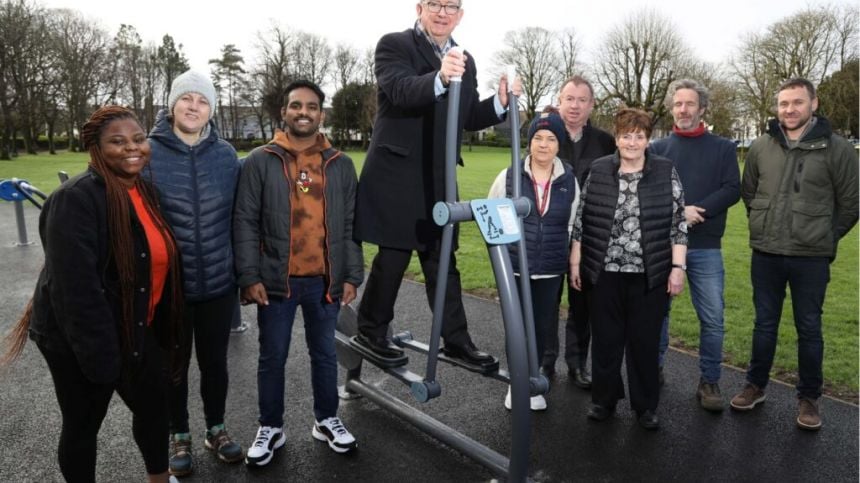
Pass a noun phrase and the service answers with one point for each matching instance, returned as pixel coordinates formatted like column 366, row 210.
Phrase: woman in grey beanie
column 195, row 172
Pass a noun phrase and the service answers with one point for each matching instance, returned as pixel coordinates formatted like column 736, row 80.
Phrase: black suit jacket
column 403, row 174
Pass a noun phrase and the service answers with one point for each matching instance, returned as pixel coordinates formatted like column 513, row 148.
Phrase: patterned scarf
column 439, row 51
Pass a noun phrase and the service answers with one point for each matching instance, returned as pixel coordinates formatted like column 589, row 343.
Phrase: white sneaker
column 537, row 403
column 263, row 448
column 332, row 431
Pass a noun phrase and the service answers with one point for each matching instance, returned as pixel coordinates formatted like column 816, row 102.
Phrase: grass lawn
column 483, row 164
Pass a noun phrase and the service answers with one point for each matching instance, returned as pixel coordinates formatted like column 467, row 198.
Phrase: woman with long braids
column 105, row 313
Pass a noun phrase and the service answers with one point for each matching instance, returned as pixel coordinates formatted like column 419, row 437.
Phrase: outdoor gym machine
column 500, row 223
column 17, row 190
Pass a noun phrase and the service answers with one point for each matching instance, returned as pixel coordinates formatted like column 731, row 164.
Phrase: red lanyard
column 542, row 201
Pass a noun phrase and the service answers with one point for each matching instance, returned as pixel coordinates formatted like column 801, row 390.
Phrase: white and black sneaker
column 333, row 432
column 263, row 448
column 537, row 403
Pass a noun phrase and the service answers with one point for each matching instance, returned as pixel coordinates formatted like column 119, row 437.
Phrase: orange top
column 158, row 259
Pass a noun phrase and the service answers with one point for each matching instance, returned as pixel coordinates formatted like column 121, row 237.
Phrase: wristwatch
column 680, row 265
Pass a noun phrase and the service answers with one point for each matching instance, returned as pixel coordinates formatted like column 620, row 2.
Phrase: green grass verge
column 483, row 164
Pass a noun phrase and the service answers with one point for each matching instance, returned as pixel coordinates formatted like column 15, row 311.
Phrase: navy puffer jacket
column 196, row 186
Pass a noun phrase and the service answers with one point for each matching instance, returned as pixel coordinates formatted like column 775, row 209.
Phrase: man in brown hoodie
column 294, row 248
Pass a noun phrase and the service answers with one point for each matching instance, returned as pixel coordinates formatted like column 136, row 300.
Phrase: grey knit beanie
column 192, row 81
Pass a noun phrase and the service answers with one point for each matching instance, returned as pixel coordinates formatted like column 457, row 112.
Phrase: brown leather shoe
column 807, row 414
column 709, row 396
column 749, row 398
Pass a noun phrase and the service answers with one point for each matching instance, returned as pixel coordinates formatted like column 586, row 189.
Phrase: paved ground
column 691, row 445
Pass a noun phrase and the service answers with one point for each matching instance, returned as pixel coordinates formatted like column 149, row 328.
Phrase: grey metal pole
column 21, row 223
column 490, row 459
column 515, row 346
column 451, row 143
column 525, row 277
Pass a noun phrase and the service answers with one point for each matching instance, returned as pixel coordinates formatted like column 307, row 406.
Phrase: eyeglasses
column 436, row 7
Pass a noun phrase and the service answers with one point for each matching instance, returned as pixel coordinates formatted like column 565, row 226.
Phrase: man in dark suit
column 403, row 174
column 584, row 144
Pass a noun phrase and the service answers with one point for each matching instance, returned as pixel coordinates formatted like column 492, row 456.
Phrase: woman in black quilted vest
column 629, row 246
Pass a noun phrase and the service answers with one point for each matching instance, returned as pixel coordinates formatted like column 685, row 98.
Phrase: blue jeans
column 276, row 325
column 808, row 278
column 706, row 277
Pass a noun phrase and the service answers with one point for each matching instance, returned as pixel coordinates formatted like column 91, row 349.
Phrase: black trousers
column 626, row 319
column 84, row 404
column 380, row 292
column 577, row 331
column 209, row 324
column 545, row 301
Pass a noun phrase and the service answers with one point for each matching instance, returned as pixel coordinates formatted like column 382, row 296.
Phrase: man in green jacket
column 800, row 190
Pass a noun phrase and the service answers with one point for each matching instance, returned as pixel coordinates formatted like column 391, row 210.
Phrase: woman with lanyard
column 552, row 188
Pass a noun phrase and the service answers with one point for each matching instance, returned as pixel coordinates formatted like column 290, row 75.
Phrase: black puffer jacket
column 261, row 222
column 196, row 187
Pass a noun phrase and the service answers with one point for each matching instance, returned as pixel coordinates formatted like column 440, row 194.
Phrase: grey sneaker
column 709, row 396
column 181, row 462
column 747, row 399
column 219, row 441
column 807, row 414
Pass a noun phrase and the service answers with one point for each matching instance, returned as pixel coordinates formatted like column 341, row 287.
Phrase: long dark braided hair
column 121, row 242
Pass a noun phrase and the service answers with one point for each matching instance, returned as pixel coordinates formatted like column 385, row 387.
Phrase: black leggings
column 84, row 404
column 209, row 324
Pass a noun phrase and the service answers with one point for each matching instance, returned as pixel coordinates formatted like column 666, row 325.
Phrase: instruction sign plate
column 497, row 220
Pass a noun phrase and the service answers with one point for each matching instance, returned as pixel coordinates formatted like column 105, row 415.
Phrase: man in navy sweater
column 708, row 167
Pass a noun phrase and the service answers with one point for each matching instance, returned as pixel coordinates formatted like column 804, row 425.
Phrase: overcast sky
column 711, row 29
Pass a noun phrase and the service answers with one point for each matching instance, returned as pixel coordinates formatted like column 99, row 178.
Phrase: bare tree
column 273, row 71
column 803, row 45
column 569, row 50
column 368, row 66
column 126, row 66
column 637, row 61
column 81, row 47
column 151, row 82
column 347, row 62
column 845, row 24
column 251, row 96
column 24, row 62
column 534, row 53
column 757, row 80
column 311, row 57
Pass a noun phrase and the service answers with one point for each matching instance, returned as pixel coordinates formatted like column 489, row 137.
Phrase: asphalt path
column 691, row 445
